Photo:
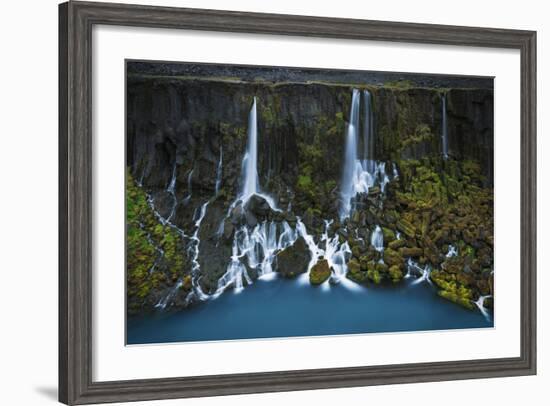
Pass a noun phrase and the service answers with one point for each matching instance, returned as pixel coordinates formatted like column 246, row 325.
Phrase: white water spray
column 359, row 175
column 347, row 189
column 452, row 252
column 377, row 239
column 189, row 181
column 480, row 303
column 219, row 172
column 423, row 273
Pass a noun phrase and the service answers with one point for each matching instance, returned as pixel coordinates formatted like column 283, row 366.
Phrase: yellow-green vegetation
column 453, row 290
column 395, row 273
column 399, row 84
column 355, row 273
column 154, row 252
column 317, row 176
column 374, row 275
column 319, row 273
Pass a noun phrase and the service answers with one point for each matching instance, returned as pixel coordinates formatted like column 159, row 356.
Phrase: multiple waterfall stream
column 360, row 173
column 256, row 247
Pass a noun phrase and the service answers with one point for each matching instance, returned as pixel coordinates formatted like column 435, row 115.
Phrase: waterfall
column 377, row 239
column 359, row 175
column 337, row 255
column 171, row 188
column 480, row 305
column 347, row 189
column 236, row 272
column 422, row 273
column 444, row 135
column 193, row 250
column 258, row 249
column 189, row 179
column 452, row 252
column 167, row 300
column 250, row 183
column 219, row 172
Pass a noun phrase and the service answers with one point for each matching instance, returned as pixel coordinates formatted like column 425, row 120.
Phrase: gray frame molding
column 75, row 181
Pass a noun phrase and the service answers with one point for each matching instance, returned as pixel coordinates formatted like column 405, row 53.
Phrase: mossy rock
column 389, row 235
column 396, row 244
column 187, row 283
column 320, row 272
column 454, row 297
column 395, row 273
column 355, row 273
column 413, row 252
column 406, row 228
column 381, row 267
column 392, row 257
column 374, row 276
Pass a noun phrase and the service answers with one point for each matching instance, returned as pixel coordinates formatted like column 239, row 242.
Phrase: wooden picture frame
column 76, row 20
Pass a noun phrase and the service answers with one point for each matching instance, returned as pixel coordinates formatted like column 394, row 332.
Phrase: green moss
column 374, row 276
column 389, row 235
column 319, row 273
column 399, row 84
column 454, row 297
column 304, row 183
column 355, row 273
column 154, row 252
column 395, row 273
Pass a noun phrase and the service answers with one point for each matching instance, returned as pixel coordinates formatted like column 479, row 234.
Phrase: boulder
column 258, row 206
column 389, row 235
column 392, row 257
column 320, row 272
column 396, row 244
column 395, row 273
column 406, row 228
column 293, row 260
column 413, row 252
column 355, row 272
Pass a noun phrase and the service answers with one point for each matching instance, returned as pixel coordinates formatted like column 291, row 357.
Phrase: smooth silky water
column 289, row 308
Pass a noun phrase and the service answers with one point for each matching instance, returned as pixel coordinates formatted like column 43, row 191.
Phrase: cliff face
column 179, row 129
column 195, row 118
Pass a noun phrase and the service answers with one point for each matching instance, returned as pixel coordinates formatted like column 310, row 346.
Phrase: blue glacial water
column 289, row 308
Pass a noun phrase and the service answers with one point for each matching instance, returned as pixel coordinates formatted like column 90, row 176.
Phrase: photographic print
column 270, row 202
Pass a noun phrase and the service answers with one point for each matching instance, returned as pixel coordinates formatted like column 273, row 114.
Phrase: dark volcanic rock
column 258, row 206
column 294, row 259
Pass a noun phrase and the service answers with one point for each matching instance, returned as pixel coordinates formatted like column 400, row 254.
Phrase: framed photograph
column 256, row 202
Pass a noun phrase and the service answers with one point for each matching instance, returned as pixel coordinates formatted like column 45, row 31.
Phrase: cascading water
column 172, row 190
column 377, row 239
column 258, row 248
column 452, row 252
column 193, row 249
column 480, row 303
column 219, row 171
column 193, row 252
column 423, row 274
column 347, row 187
column 189, row 181
column 444, row 134
column 167, row 300
column 359, row 175
column 251, row 182
column 337, row 255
